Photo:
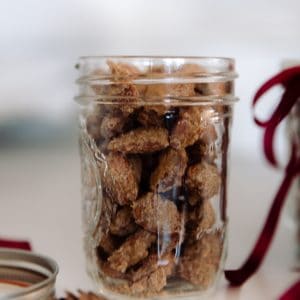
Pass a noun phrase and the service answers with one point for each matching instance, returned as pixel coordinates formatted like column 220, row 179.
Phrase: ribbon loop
column 290, row 80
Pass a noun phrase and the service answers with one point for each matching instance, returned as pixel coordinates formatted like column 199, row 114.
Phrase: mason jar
column 154, row 138
column 26, row 276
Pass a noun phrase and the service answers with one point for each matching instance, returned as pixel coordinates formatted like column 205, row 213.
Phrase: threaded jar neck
column 212, row 77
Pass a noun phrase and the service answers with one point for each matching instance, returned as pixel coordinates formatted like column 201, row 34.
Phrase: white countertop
column 40, row 200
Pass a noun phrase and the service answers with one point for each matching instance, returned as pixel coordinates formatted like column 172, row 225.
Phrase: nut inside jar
column 161, row 167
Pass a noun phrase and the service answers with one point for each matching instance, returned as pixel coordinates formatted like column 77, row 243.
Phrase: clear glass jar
column 154, row 137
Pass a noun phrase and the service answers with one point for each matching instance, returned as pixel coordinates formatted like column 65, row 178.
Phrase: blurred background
column 40, row 42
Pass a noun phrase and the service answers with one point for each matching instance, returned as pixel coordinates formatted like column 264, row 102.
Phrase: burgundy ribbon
column 290, row 80
column 292, row 293
column 22, row 245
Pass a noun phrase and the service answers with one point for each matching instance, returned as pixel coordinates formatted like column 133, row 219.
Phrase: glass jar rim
column 222, row 65
column 211, row 70
column 149, row 57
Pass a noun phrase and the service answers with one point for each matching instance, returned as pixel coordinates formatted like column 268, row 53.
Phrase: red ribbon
column 23, row 245
column 290, row 80
column 292, row 293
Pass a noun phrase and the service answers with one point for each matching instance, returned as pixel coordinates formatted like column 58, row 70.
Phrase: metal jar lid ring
column 26, row 275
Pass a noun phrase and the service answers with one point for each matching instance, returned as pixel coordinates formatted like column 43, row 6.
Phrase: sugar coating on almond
column 141, row 140
column 126, row 97
column 151, row 264
column 149, row 117
column 199, row 263
column 161, row 91
column 123, row 223
column 136, row 164
column 107, row 243
column 170, row 170
column 201, row 219
column 214, row 88
column 204, row 179
column 194, row 123
column 152, row 276
column 202, row 151
column 122, row 70
column 133, row 250
column 111, row 125
column 188, row 128
column 119, row 178
column 156, row 214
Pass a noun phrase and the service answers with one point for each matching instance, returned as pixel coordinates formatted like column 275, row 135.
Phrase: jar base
column 193, row 295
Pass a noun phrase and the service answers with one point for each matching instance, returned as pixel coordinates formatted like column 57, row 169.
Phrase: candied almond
column 194, row 123
column 132, row 251
column 136, row 163
column 151, row 284
column 201, row 219
column 156, row 214
column 122, row 70
column 203, row 178
column 202, row 151
column 126, row 96
column 170, row 170
column 108, row 271
column 151, row 264
column 161, row 91
column 208, row 135
column 188, row 128
column 199, row 263
column 151, row 277
column 119, row 178
column 121, row 89
column 160, row 110
column 193, row 198
column 122, row 97
column 107, row 243
column 214, row 88
column 150, row 118
column 123, row 223
column 183, row 90
column 140, row 140
column 111, row 125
